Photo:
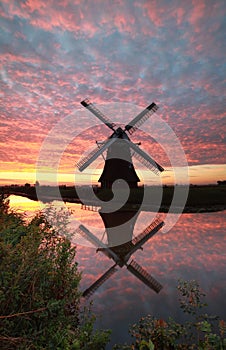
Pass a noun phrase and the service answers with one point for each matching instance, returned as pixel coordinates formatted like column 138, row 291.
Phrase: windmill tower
column 121, row 255
column 116, row 168
column 119, row 226
column 120, row 150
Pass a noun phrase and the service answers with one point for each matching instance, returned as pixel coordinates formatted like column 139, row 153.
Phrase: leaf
column 205, row 326
column 144, row 344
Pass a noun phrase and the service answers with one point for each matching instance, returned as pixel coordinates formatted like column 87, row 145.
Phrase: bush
column 39, row 289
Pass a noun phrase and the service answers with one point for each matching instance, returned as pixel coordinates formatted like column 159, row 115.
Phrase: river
column 194, row 249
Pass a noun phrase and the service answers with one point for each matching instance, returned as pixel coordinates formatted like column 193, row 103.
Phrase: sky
column 53, row 54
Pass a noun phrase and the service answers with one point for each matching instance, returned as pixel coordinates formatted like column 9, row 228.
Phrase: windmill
column 120, row 150
column 121, row 254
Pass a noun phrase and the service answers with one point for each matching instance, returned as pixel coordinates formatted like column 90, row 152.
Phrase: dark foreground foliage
column 201, row 332
column 39, row 289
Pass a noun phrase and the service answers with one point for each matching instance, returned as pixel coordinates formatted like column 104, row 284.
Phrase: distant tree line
column 221, row 182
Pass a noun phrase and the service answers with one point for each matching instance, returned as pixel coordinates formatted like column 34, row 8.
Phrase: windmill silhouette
column 120, row 150
column 121, row 253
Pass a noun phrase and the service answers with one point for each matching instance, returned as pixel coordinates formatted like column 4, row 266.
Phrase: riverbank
column 201, row 199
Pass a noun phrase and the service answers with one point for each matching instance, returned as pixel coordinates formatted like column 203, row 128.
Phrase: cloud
column 54, row 55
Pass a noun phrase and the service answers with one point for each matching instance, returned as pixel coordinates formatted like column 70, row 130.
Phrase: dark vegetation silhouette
column 40, row 306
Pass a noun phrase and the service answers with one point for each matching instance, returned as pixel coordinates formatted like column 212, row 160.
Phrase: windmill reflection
column 121, row 246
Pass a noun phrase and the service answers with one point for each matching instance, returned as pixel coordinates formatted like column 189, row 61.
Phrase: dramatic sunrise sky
column 53, row 54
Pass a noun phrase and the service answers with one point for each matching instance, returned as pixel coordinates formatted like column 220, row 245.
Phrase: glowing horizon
column 210, row 174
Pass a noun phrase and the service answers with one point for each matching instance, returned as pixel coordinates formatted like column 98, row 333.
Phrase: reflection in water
column 194, row 249
column 25, row 206
column 119, row 228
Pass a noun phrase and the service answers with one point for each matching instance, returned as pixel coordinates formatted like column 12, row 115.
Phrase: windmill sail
column 145, row 159
column 89, row 236
column 86, row 103
column 83, row 231
column 89, row 291
column 144, row 276
column 144, row 236
column 111, row 163
column 149, row 232
column 141, row 118
column 86, row 161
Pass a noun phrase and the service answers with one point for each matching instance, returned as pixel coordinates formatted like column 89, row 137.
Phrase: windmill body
column 118, row 168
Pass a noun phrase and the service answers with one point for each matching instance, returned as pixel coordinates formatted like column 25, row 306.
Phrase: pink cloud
column 154, row 12
column 33, row 5
column 197, row 14
column 179, row 12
